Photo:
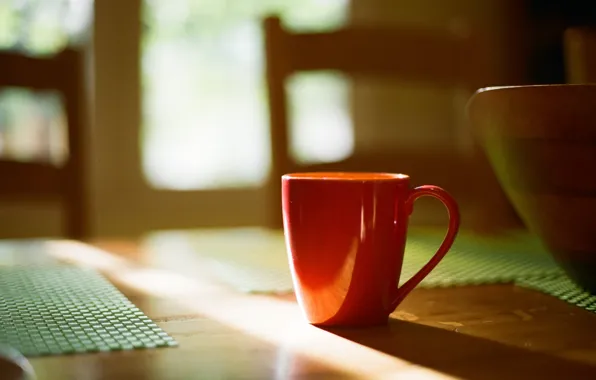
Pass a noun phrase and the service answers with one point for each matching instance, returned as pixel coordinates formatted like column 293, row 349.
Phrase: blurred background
column 177, row 117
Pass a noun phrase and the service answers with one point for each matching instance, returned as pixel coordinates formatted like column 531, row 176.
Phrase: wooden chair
column 419, row 56
column 580, row 55
column 40, row 181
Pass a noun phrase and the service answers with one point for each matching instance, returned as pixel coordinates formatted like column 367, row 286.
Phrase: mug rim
column 346, row 176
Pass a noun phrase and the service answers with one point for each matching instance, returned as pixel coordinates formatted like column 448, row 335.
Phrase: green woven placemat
column 563, row 288
column 255, row 261
column 475, row 260
column 47, row 310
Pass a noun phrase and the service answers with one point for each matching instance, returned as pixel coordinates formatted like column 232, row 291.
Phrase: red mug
column 345, row 235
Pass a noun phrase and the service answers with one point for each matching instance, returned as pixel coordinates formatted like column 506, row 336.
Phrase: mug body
column 345, row 236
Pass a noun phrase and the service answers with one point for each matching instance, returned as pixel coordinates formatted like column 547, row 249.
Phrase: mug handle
column 454, row 218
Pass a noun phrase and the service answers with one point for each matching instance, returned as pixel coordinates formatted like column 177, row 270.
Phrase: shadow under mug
column 345, row 235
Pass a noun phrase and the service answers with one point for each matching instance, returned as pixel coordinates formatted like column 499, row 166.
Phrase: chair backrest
column 427, row 57
column 580, row 55
column 62, row 73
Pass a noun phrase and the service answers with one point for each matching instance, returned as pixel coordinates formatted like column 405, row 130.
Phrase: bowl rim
column 534, row 86
column 526, row 87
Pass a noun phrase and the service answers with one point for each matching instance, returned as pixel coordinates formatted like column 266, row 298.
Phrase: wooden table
column 480, row 332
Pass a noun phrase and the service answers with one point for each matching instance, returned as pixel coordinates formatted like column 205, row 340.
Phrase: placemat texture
column 563, row 288
column 475, row 259
column 47, row 310
column 255, row 261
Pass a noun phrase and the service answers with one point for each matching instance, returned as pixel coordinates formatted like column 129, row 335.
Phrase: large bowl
column 541, row 143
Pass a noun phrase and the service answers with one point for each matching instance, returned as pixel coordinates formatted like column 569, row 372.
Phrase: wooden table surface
column 480, row 332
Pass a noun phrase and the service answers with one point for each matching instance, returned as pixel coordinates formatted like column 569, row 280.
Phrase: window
column 321, row 129
column 204, row 100
column 32, row 126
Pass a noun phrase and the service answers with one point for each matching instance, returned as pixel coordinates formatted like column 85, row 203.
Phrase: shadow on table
column 463, row 355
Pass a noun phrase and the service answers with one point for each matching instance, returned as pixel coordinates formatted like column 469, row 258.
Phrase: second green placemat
column 563, row 288
column 255, row 260
column 475, row 260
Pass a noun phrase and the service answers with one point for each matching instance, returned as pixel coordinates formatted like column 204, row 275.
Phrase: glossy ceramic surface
column 541, row 143
column 345, row 235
